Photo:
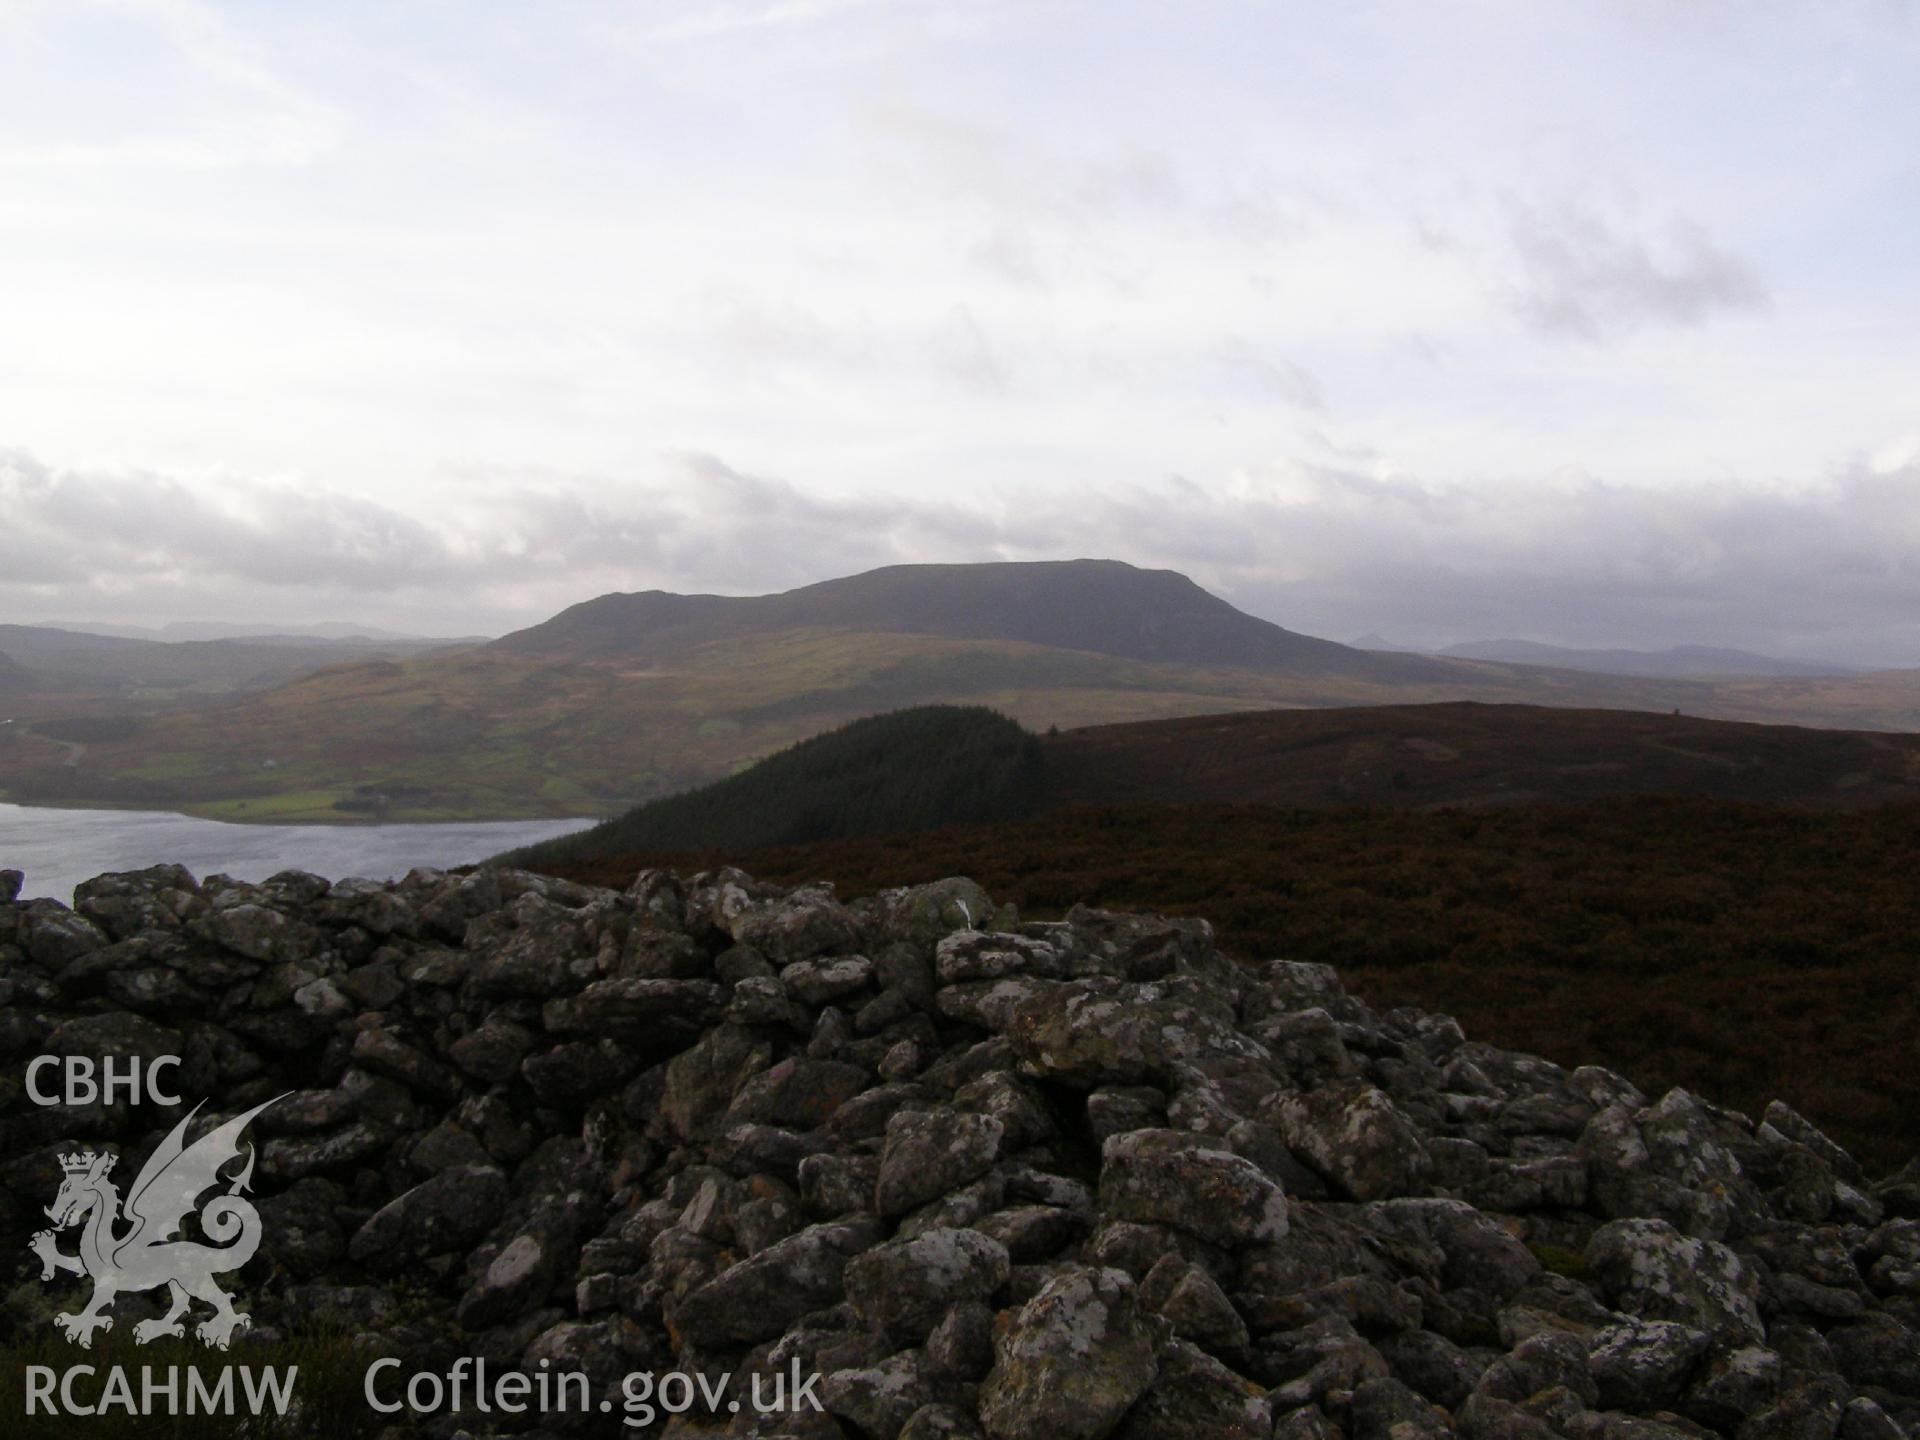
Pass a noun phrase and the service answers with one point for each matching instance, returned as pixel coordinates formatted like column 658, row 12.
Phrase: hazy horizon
column 1592, row 323
column 217, row 628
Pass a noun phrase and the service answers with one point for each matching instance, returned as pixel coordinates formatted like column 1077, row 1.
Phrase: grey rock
column 819, row 982
column 758, row 1298
column 1644, row 1364
column 1652, row 1271
column 931, row 1153
column 1355, row 1136
column 972, row 955
column 906, row 1287
column 1179, row 1179
column 1097, row 1032
column 1072, row 1361
column 951, row 1422
column 1195, row 1397
column 796, row 927
column 441, row 1215
column 878, row 1399
column 1192, row 1302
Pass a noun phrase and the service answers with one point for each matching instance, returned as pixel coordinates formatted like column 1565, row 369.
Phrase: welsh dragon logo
column 148, row 1253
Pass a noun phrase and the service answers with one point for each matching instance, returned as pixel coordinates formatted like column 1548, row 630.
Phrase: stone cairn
column 1060, row 1180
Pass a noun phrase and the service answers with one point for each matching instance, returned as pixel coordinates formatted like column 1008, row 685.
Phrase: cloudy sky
column 1588, row 322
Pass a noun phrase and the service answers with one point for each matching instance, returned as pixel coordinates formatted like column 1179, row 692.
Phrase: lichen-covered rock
column 923, row 914
column 758, row 1298
column 1072, row 1361
column 1356, row 1137
column 1652, row 1271
column 1179, row 1179
column 797, row 926
column 1389, row 1409
column 1192, row 1302
column 1102, row 1031
column 973, row 955
column 906, row 1287
column 944, row 1422
column 930, row 1153
column 879, row 1399
column 1644, row 1364
column 53, row 937
column 1195, row 1397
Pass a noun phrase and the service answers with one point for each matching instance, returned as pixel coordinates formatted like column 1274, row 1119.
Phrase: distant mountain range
column 181, row 630
column 628, row 697
column 104, row 665
column 1677, row 662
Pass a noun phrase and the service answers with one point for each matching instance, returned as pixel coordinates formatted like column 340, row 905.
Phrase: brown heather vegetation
column 1745, row 952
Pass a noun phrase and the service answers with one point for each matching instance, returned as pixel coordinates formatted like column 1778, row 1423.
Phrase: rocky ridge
column 1068, row 1179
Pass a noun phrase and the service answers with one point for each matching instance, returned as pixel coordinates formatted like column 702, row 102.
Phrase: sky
column 1592, row 323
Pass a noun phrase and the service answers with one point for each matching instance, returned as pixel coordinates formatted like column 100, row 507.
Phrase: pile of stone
column 1063, row 1179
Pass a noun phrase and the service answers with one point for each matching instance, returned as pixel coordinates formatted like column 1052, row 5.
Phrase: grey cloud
column 1274, row 376
column 1329, row 549
column 1822, row 572
column 1582, row 278
column 135, row 524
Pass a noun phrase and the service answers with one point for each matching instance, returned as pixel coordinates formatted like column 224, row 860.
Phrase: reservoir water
column 59, row 848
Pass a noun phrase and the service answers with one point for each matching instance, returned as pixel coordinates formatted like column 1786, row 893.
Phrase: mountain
column 1099, row 607
column 1679, row 662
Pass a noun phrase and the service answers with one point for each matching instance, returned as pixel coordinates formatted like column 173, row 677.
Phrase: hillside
column 96, row 665
column 920, row 768
column 910, row 770
column 1678, row 662
column 1473, row 755
column 15, row 678
column 1098, row 607
column 628, row 698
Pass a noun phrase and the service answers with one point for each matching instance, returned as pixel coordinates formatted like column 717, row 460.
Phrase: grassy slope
column 1745, row 952
column 487, row 734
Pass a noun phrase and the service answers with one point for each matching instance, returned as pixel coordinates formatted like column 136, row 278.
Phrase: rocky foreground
column 1063, row 1180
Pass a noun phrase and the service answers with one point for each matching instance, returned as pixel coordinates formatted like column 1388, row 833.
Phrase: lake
column 59, row 848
